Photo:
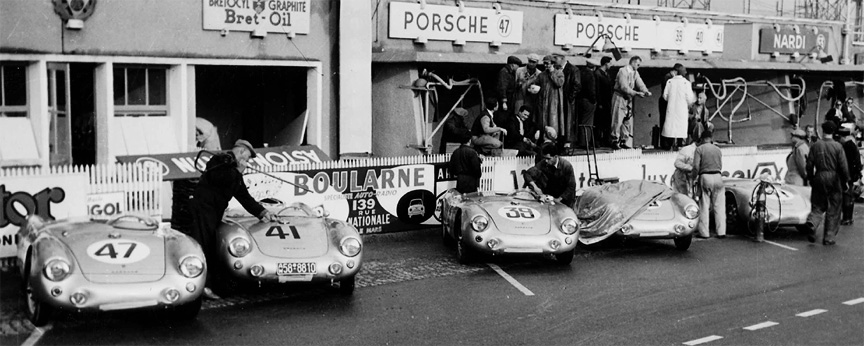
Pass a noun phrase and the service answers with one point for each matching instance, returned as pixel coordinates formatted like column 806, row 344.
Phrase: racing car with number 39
column 507, row 223
column 302, row 245
column 129, row 262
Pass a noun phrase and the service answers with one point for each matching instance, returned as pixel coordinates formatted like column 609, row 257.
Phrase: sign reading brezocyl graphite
column 277, row 16
column 373, row 199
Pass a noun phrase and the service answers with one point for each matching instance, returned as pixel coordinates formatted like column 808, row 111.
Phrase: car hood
column 658, row 210
column 109, row 255
column 602, row 210
column 515, row 216
column 292, row 237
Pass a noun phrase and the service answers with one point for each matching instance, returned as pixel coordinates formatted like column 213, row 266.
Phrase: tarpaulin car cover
column 602, row 210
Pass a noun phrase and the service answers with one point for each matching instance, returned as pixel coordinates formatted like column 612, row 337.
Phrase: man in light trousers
column 628, row 84
column 707, row 166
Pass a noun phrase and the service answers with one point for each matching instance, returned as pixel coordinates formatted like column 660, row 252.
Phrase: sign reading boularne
column 637, row 33
column 277, row 16
column 50, row 197
column 183, row 166
column 787, row 41
column 450, row 23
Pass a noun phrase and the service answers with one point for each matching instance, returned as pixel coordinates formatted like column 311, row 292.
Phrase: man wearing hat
column 828, row 172
column 507, row 83
column 587, row 101
column 571, row 89
column 853, row 158
column 526, row 83
column 454, row 128
column 796, row 162
column 221, row 181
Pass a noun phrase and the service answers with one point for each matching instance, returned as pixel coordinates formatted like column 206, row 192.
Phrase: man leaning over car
column 559, row 176
column 221, row 180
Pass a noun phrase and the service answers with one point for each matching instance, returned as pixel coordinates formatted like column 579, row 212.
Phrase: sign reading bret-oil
column 373, row 199
column 278, row 16
column 450, row 23
column 50, row 196
column 788, row 41
column 638, row 33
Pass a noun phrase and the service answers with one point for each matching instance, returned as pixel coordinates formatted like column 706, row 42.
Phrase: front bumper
column 108, row 297
column 242, row 268
column 668, row 229
column 516, row 244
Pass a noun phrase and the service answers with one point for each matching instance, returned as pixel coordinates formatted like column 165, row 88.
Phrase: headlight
column 479, row 223
column 350, row 247
column 56, row 269
column 691, row 211
column 569, row 226
column 239, row 247
column 191, row 266
column 769, row 189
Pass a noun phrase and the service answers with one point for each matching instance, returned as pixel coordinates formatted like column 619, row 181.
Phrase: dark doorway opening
column 83, row 112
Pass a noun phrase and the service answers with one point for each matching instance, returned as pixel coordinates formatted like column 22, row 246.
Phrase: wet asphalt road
column 412, row 292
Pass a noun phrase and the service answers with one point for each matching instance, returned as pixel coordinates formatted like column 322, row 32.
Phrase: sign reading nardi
column 277, row 16
column 449, row 23
column 788, row 41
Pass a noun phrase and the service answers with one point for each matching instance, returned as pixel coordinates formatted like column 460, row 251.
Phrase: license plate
column 295, row 268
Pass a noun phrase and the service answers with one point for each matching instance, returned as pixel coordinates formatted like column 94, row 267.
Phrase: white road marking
column 510, row 279
column 811, row 313
column 36, row 335
column 703, row 340
column 781, row 245
column 761, row 325
column 854, row 301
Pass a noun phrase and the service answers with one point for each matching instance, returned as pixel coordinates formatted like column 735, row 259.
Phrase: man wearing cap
column 587, row 101
column 828, row 172
column 571, row 89
column 628, row 84
column 507, row 83
column 853, row 158
column 526, row 83
column 221, row 181
column 549, row 106
column 796, row 161
column 454, row 128
column 603, row 112
column 707, row 166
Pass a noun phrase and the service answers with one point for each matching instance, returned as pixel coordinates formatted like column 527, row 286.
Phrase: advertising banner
column 51, row 197
column 276, row 16
column 182, row 165
column 582, row 31
column 104, row 206
column 449, row 23
column 786, row 41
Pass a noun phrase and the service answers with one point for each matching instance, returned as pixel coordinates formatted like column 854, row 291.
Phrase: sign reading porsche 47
column 278, row 16
column 449, row 23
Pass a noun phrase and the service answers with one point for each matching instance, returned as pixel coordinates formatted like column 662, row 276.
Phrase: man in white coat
column 679, row 94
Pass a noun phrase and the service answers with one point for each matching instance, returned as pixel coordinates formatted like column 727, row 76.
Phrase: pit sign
column 275, row 16
column 105, row 206
column 449, row 23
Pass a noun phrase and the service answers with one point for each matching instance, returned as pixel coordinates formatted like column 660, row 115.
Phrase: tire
column 464, row 254
column 564, row 258
column 39, row 313
column 445, row 237
column 187, row 312
column 347, row 285
column 733, row 220
column 683, row 243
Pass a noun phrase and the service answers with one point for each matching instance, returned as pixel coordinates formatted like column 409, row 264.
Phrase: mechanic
column 681, row 181
column 828, row 172
column 796, row 162
column 222, row 179
column 487, row 135
column 465, row 165
column 560, row 180
column 853, row 158
column 707, row 165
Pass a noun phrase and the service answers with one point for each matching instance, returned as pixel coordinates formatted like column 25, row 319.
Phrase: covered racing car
column 507, row 223
column 636, row 209
column 303, row 245
column 127, row 263
column 786, row 205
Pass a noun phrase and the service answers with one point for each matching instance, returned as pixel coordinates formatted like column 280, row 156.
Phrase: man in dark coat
column 506, row 86
column 603, row 111
column 828, row 173
column 465, row 165
column 587, row 102
column 571, row 88
column 221, row 181
column 853, row 158
column 560, row 180
column 454, row 129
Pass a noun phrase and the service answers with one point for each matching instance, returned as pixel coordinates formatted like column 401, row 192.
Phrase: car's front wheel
column 564, row 258
column 733, row 223
column 347, row 285
column 683, row 243
column 464, row 254
column 187, row 312
column 39, row 313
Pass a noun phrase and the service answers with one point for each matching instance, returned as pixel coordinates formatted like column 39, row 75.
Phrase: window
column 140, row 91
column 13, row 90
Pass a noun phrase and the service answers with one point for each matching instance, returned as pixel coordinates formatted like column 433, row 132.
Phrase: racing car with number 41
column 129, row 262
column 302, row 245
column 507, row 223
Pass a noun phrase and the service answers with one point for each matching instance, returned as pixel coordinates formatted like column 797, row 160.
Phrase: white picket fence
column 141, row 184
